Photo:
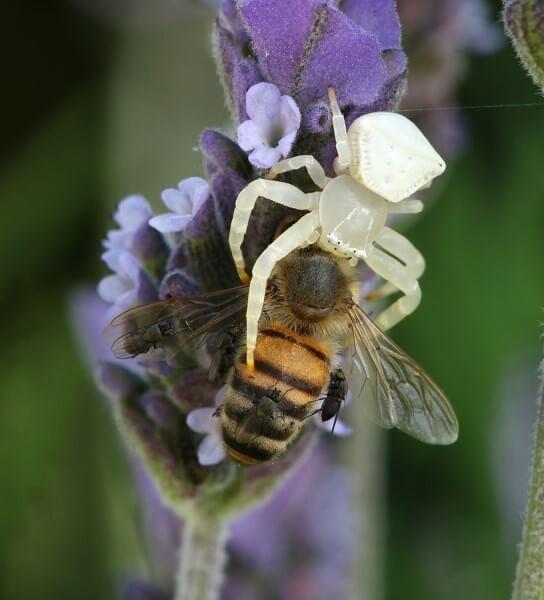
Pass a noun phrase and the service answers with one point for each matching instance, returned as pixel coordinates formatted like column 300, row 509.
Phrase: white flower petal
column 112, row 287
column 132, row 212
column 211, row 450
column 264, row 157
column 111, row 258
column 178, row 202
column 200, row 194
column 250, row 135
column 201, row 420
column 290, row 115
column 127, row 300
column 129, row 267
column 286, row 142
column 170, row 222
column 193, row 186
column 263, row 104
column 119, row 238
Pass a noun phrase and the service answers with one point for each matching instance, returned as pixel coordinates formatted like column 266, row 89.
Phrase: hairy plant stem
column 367, row 461
column 529, row 584
column 202, row 558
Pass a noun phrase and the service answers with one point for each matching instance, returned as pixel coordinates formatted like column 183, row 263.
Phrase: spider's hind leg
column 400, row 265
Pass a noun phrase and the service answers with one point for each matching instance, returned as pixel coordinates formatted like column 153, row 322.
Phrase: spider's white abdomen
column 351, row 217
column 390, row 155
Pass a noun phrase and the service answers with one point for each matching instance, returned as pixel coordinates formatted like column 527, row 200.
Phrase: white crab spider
column 382, row 160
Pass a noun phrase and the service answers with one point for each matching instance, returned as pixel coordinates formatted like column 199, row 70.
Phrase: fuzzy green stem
column 202, row 559
column 529, row 584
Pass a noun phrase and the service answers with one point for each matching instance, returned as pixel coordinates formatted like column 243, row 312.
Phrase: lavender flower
column 276, row 60
column 272, row 127
column 185, row 201
column 131, row 213
column 354, row 48
column 125, row 249
column 205, row 420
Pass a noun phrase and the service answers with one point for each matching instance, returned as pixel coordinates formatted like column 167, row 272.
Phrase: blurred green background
column 94, row 110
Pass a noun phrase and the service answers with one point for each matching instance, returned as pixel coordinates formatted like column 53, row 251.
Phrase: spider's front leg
column 315, row 170
column 291, row 238
column 277, row 191
column 343, row 160
column 402, row 276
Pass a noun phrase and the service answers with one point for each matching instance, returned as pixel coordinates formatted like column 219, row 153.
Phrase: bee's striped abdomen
column 265, row 409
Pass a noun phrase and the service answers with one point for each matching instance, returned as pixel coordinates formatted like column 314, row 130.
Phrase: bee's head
column 312, row 283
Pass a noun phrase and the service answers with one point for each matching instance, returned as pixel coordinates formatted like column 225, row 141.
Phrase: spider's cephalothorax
column 382, row 160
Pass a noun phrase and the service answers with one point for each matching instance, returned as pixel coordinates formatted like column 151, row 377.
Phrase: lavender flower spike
column 184, row 202
column 272, row 125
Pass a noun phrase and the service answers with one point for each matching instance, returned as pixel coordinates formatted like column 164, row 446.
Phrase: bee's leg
column 315, row 170
column 341, row 163
column 277, row 191
column 402, row 276
column 291, row 238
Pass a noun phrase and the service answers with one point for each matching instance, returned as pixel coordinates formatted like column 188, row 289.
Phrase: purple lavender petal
column 145, row 289
column 149, row 246
column 232, row 19
column 279, row 35
column 222, row 153
column 118, row 382
column 225, row 189
column 203, row 223
column 177, row 283
column 376, row 16
column 245, row 75
column 345, row 57
column 238, row 73
column 193, row 390
column 159, row 409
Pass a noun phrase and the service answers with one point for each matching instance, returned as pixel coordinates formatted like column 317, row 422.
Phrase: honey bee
column 311, row 317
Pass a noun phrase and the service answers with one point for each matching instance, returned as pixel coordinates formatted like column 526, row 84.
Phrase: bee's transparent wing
column 396, row 158
column 170, row 324
column 394, row 389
